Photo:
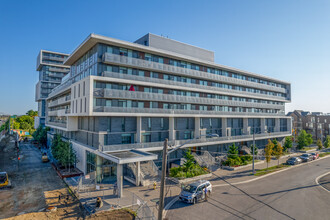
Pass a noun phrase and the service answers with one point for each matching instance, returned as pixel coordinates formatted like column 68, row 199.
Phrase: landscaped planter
column 192, row 179
column 241, row 167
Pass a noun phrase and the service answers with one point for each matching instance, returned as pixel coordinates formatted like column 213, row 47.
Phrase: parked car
column 194, row 192
column 293, row 161
column 315, row 155
column 306, row 157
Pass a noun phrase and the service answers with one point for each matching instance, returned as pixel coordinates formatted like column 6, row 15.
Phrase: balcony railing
column 53, row 69
column 185, row 86
column 195, row 142
column 59, row 112
column 56, row 123
column 113, row 58
column 180, row 111
column 53, row 58
column 60, row 101
column 119, row 94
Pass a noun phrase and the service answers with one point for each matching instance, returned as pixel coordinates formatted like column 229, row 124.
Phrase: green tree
column 32, row 113
column 309, row 139
column 319, row 144
column 277, row 151
column 233, row 152
column 268, row 151
column 287, row 143
column 302, row 139
column 190, row 161
column 40, row 135
column 327, row 142
column 62, row 151
column 16, row 125
column 255, row 149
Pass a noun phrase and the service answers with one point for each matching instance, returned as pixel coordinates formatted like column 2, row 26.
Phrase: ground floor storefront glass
column 105, row 170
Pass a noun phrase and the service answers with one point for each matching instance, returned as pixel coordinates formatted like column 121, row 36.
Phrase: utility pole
column 162, row 184
column 254, row 144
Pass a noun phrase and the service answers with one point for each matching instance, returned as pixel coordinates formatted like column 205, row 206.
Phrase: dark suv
column 293, row 161
column 306, row 157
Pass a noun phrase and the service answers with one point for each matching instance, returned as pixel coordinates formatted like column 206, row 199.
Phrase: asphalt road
column 292, row 194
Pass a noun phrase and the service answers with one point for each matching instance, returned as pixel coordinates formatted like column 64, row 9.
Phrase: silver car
column 194, row 192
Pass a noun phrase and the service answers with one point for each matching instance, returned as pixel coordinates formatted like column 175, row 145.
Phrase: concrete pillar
column 171, row 135
column 277, row 125
column 289, row 124
column 224, row 127
column 98, row 169
column 246, row 128
column 263, row 128
column 120, row 180
column 138, row 129
column 197, row 127
column 137, row 174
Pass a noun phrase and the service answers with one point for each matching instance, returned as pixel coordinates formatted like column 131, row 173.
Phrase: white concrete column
column 289, row 124
column 246, row 126
column 138, row 129
column 120, row 180
column 277, row 125
column 171, row 135
column 197, row 127
column 137, row 174
column 98, row 168
column 224, row 127
column 263, row 125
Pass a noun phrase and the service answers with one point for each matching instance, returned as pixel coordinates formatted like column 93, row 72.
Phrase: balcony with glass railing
column 196, row 142
column 135, row 95
column 169, row 112
column 187, row 86
column 61, row 101
column 134, row 62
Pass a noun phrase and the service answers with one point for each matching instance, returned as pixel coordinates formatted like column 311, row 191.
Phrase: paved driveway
column 292, row 194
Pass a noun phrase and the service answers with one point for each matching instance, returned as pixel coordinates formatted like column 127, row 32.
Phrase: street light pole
column 254, row 144
column 162, row 184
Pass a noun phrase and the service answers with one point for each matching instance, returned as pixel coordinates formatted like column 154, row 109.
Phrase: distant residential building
column 51, row 71
column 315, row 123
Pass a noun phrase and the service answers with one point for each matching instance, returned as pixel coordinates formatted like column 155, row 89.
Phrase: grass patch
column 270, row 169
column 307, row 148
column 324, row 154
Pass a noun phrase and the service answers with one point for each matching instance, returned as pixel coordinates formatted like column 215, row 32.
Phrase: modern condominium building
column 51, row 71
column 123, row 99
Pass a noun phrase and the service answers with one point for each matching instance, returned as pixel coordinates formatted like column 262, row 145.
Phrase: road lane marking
column 317, row 181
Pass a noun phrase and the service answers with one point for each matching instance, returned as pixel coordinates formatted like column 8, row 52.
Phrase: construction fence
column 87, row 191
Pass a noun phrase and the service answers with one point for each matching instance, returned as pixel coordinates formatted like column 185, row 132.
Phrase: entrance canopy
column 131, row 156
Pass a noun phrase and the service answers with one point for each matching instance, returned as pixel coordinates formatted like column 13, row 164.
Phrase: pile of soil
column 120, row 214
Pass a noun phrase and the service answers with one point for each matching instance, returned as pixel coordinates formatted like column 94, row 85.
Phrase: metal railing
column 54, row 69
column 196, row 142
column 182, row 111
column 190, row 85
column 118, row 59
column 58, row 124
column 60, row 101
column 119, row 94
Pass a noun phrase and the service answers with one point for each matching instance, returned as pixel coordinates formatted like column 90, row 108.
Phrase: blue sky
column 288, row 40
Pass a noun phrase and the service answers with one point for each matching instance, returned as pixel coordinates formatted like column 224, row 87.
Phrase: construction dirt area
column 36, row 187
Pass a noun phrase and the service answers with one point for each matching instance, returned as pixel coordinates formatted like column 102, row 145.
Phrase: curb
column 317, row 181
column 168, row 206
